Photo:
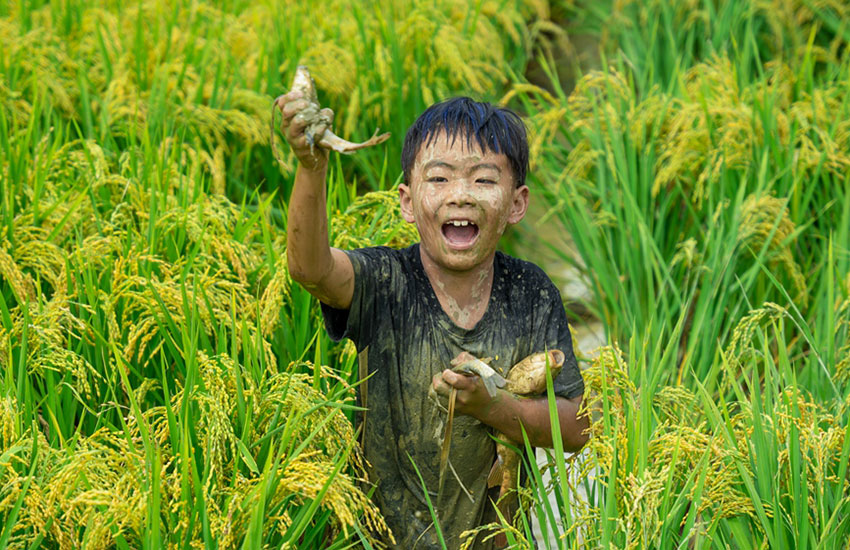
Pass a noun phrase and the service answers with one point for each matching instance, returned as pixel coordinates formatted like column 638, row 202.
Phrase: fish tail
column 272, row 142
column 332, row 141
column 495, row 476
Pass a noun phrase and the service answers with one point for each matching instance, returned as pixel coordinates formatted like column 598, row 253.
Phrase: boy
column 411, row 311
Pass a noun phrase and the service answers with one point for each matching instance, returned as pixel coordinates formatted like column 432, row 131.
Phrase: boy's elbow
column 575, row 432
column 300, row 276
column 299, row 272
column 308, row 270
column 573, row 442
column 308, row 281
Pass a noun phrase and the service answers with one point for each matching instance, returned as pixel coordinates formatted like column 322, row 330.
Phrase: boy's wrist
column 314, row 176
column 495, row 411
column 317, row 165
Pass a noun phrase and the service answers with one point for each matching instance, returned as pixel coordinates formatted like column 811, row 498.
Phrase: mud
column 455, row 180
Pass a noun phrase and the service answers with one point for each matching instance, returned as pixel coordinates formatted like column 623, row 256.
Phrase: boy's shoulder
column 383, row 258
column 522, row 273
column 386, row 269
column 525, row 285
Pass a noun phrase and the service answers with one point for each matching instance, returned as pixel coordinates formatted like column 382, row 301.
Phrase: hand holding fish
column 475, row 383
column 307, row 127
column 478, row 386
column 471, row 396
column 301, row 122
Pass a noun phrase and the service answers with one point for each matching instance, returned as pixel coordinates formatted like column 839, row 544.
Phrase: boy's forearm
column 307, row 249
column 510, row 414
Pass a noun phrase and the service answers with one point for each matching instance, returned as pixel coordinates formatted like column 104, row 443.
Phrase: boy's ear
column 405, row 200
column 519, row 205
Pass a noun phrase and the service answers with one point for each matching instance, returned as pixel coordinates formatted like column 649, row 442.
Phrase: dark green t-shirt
column 396, row 317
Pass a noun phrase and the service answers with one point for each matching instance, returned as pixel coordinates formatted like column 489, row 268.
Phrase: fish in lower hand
column 467, row 364
column 318, row 130
column 525, row 379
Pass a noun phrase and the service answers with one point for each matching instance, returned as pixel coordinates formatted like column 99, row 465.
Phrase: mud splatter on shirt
column 397, row 318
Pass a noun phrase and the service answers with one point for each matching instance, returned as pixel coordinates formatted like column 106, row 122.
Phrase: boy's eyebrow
column 438, row 163
column 444, row 164
column 486, row 165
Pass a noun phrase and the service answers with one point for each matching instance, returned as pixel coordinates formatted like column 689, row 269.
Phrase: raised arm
column 324, row 272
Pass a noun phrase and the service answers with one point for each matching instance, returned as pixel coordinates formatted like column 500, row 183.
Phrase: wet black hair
column 496, row 129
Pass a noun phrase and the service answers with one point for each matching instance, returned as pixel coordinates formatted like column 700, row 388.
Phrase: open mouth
column 460, row 233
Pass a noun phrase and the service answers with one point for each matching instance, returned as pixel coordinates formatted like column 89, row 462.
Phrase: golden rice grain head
column 766, row 217
column 333, row 68
column 686, row 254
column 598, row 88
column 742, row 334
column 842, row 364
column 9, row 421
column 21, row 283
column 277, row 293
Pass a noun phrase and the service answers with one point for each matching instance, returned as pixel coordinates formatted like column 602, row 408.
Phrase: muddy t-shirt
column 396, row 317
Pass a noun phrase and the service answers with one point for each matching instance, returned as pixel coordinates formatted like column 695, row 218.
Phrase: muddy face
column 461, row 200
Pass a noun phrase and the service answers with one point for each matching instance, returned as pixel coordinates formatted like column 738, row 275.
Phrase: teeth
column 459, row 223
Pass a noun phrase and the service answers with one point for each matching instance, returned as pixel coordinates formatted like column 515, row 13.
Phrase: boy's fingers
column 290, row 109
column 319, row 130
column 442, row 401
column 439, row 385
column 295, row 128
column 283, row 99
column 320, row 127
column 459, row 381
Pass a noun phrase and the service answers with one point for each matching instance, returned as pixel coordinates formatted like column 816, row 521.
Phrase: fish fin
column 493, row 383
column 495, row 477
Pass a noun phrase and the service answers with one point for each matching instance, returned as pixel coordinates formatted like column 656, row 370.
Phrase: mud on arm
column 324, row 272
column 509, row 414
column 533, row 414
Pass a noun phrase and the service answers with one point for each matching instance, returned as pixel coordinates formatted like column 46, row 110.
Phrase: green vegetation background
column 165, row 385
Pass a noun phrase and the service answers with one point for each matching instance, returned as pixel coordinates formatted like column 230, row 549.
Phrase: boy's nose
column 460, row 192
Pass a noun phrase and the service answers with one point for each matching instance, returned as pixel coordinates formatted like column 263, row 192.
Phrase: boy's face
column 461, row 200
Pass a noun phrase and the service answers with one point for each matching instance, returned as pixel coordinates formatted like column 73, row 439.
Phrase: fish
column 316, row 119
column 466, row 363
column 525, row 379
column 469, row 365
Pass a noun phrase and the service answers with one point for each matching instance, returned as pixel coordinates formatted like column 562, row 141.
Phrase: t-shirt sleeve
column 569, row 382
column 373, row 273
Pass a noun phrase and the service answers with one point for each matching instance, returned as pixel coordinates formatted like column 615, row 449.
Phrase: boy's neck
column 464, row 296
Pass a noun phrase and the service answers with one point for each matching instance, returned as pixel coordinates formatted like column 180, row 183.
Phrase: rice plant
column 165, row 385
column 706, row 196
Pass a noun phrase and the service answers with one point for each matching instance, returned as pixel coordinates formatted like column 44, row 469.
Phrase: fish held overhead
column 316, row 119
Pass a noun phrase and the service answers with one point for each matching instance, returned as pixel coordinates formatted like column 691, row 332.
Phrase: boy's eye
column 436, row 179
column 485, row 180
